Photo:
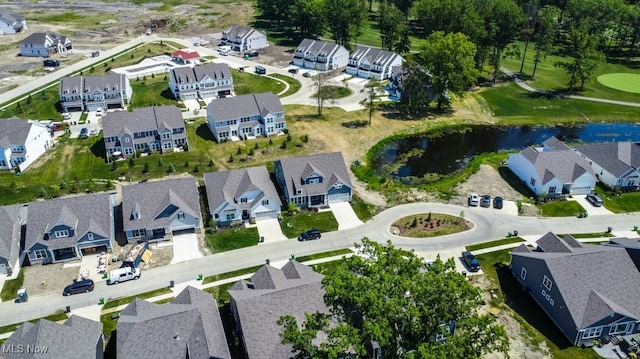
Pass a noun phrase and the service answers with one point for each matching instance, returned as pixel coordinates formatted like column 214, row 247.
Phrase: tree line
column 468, row 38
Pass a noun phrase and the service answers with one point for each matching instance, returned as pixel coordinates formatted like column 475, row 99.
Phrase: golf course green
column 621, row 81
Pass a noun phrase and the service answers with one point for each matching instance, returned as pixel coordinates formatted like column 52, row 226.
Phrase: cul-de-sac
column 320, row 179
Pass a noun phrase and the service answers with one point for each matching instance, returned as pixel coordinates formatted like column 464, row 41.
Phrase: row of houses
column 364, row 61
column 557, row 169
column 589, row 291
column 67, row 228
column 190, row 326
column 11, row 22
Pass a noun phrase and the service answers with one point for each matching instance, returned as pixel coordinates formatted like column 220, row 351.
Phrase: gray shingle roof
column 40, row 38
column 293, row 290
column 615, row 157
column 82, row 211
column 10, row 17
column 317, row 48
column 373, row 55
column 226, row 186
column 187, row 75
column 154, row 197
column 142, row 119
column 557, row 160
column 10, row 228
column 594, row 281
column 77, row 338
column 239, row 31
column 330, row 165
column 14, row 131
column 190, row 324
column 550, row 242
column 244, row 106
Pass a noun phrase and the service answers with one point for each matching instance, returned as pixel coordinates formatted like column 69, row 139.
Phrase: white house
column 368, row 62
column 246, row 116
column 553, row 169
column 616, row 164
column 243, row 194
column 22, row 142
column 206, row 81
column 244, row 38
column 11, row 22
column 44, row 44
column 320, row 55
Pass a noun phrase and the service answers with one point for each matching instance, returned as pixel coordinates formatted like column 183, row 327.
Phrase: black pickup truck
column 51, row 63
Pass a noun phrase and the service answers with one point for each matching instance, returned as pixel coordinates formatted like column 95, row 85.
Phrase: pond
column 451, row 150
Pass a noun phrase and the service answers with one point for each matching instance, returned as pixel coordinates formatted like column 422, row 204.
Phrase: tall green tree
column 403, row 5
column 449, row 16
column 548, row 22
column 585, row 58
column 392, row 25
column 307, row 18
column 450, row 60
column 417, row 92
column 345, row 19
column 386, row 296
column 503, row 20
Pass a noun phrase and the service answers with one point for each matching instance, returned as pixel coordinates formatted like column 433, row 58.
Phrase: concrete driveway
column 591, row 209
column 269, row 228
column 185, row 247
column 192, row 104
column 345, row 215
column 445, row 254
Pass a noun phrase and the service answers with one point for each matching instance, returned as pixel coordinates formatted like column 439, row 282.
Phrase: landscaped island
column 430, row 225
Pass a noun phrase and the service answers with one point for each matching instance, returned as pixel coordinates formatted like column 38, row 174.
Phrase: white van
column 224, row 50
column 123, row 275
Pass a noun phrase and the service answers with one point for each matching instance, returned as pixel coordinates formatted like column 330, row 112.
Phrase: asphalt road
column 489, row 225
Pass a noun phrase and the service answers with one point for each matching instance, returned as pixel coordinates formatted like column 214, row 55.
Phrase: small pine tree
column 186, row 163
column 230, row 158
column 239, row 151
column 13, row 185
column 284, row 145
column 288, row 138
column 171, row 169
column 146, row 168
column 112, row 60
column 131, row 162
column 196, row 169
column 210, row 163
column 42, row 193
column 153, row 76
column 251, row 152
column 63, row 185
column 415, row 222
column 429, row 217
column 256, row 146
column 304, row 138
column 160, row 162
column 131, row 55
column 114, row 165
column 270, row 142
column 92, row 69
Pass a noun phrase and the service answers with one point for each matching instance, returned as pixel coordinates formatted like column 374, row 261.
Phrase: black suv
column 471, row 261
column 81, row 286
column 309, row 235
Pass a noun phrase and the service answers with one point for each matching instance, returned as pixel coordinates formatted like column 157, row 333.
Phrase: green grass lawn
column 246, row 83
column 561, row 209
column 499, row 242
column 625, row 202
column 108, row 325
column 588, row 235
column 621, row 81
column 322, row 221
column 220, row 293
column 294, row 85
column 337, row 252
column 514, row 104
column 152, row 91
column 126, row 300
column 336, row 92
column 537, row 327
column 236, row 273
column 365, row 211
column 233, row 238
column 549, row 77
column 53, row 318
column 10, row 287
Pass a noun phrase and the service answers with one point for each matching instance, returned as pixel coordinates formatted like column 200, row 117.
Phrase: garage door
column 92, row 250
column 183, row 231
column 266, row 214
column 342, row 197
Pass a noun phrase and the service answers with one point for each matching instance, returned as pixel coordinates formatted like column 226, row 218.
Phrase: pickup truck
column 51, row 63
column 123, row 274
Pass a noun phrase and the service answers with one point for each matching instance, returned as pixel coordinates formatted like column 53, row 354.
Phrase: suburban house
column 12, row 226
column 632, row 245
column 159, row 210
column 241, row 195
column 244, row 38
column 77, row 338
column 271, row 293
column 245, row 116
column 11, row 22
column 22, row 142
column 553, row 169
column 369, row 62
column 158, row 128
column 186, row 56
column 400, row 73
column 204, row 82
column 90, row 93
column 320, row 55
column 585, row 289
column 314, row 180
column 187, row 327
column 44, row 44
column 63, row 229
column 616, row 164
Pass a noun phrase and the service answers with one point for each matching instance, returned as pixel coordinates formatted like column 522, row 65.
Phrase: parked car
column 251, row 54
column 81, row 286
column 498, row 202
column 84, row 132
column 99, row 112
column 471, row 261
column 123, row 274
column 486, row 201
column 57, row 126
column 474, row 200
column 93, row 132
column 261, row 70
column 594, row 199
column 293, row 70
column 307, row 74
column 51, row 63
column 309, row 235
column 66, row 115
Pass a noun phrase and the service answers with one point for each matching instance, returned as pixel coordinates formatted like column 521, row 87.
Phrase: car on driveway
column 485, row 201
column 498, row 202
column 84, row 132
column 93, row 132
column 471, row 261
column 307, row 74
column 309, row 235
column 261, row 70
column 474, row 200
column 81, row 286
column 595, row 200
column 293, row 70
